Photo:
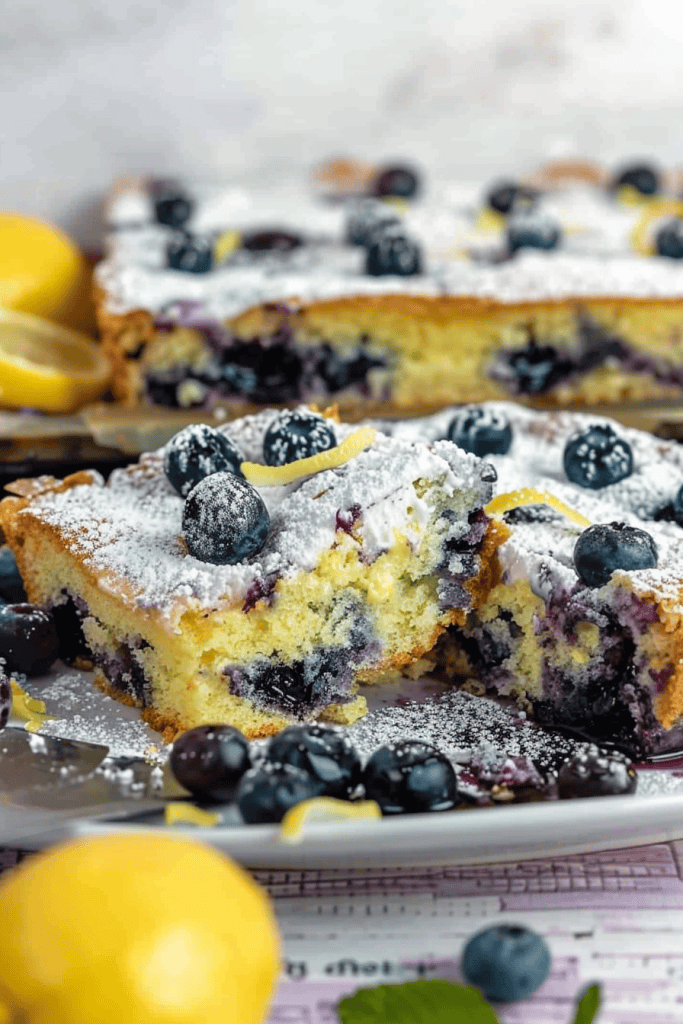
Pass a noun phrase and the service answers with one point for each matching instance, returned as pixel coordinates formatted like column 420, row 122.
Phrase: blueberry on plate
column 196, row 452
column 669, row 239
column 399, row 181
column 266, row 793
column 210, row 760
column 5, row 698
column 506, row 196
column 11, row 584
column 602, row 549
column 323, row 752
column 481, row 430
column 642, row 177
column 28, row 639
column 532, row 231
column 410, row 777
column 224, row 520
column 507, row 962
column 595, row 772
column 597, row 457
column 296, row 435
column 172, row 206
column 392, row 253
column 189, row 253
column 271, row 241
column 367, row 217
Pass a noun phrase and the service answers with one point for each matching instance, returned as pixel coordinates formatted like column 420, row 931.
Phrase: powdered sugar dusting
column 85, row 713
column 465, row 728
column 535, row 460
column 595, row 226
column 130, row 530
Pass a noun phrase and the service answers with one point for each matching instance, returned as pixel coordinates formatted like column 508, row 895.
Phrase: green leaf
column 417, row 1002
column 588, row 1005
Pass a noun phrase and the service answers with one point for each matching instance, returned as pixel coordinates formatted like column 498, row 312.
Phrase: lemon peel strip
column 640, row 238
column 182, row 813
column 530, row 496
column 225, row 244
column 272, row 476
column 489, row 221
column 322, row 809
column 627, row 195
column 29, row 709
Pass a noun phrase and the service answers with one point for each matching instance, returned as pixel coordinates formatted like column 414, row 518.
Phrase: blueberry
column 669, row 239
column 595, row 772
column 224, row 520
column 506, row 196
column 196, row 452
column 532, row 231
column 189, row 253
column 11, row 585
column 367, row 217
column 296, row 435
column 288, row 687
column 641, row 177
column 392, row 253
column 28, row 639
column 410, row 777
column 324, row 753
column 480, row 430
column 266, row 793
column 270, row 241
column 339, row 373
column 602, row 549
column 507, row 962
column 210, row 761
column 396, row 181
column 597, row 457
column 172, row 206
column 537, row 368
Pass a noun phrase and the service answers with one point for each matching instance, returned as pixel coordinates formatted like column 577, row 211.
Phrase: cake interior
column 407, row 351
column 296, row 645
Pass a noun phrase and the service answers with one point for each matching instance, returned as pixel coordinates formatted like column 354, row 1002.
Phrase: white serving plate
column 481, row 835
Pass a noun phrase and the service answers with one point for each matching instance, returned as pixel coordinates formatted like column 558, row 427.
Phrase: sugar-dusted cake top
column 595, row 258
column 541, row 548
column 129, row 531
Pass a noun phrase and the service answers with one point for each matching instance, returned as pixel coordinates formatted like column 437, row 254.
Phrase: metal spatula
column 31, row 759
column 46, row 782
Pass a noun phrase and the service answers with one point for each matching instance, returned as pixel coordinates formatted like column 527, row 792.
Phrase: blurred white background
column 235, row 88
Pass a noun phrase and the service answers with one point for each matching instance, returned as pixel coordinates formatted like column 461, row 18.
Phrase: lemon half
column 43, row 273
column 47, row 367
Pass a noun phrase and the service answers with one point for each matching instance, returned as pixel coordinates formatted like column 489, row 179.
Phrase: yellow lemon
column 47, row 366
column 44, row 273
column 135, row 929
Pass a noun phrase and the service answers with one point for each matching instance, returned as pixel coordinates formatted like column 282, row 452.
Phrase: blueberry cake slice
column 583, row 624
column 256, row 574
column 221, row 297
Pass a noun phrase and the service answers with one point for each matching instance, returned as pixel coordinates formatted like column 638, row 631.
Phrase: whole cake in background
column 259, row 573
column 565, row 289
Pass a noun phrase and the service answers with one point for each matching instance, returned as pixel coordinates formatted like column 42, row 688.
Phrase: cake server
column 31, row 759
column 80, row 783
